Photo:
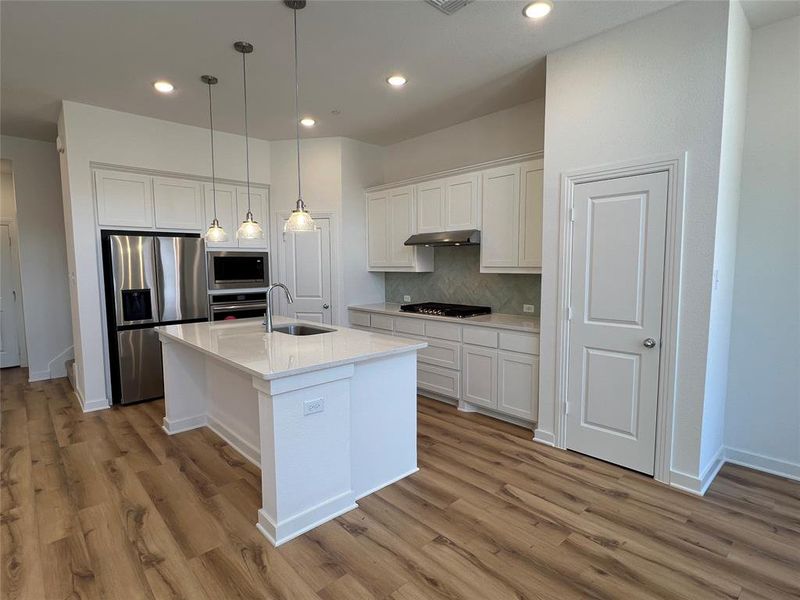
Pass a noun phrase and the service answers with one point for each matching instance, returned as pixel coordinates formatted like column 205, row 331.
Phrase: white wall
column 648, row 88
column 321, row 165
column 93, row 134
column 43, row 267
column 730, row 174
column 517, row 130
column 763, row 408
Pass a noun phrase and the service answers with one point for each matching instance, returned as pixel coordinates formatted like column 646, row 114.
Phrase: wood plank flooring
column 105, row 505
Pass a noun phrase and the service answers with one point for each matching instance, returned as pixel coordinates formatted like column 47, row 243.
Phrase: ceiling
column 485, row 58
column 766, row 12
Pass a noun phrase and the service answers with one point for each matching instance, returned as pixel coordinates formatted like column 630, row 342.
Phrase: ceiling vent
column 448, row 7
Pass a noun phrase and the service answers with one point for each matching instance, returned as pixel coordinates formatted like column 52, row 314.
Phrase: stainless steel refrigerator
column 150, row 280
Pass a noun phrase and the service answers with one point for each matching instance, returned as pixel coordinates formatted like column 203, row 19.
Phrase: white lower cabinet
column 496, row 369
column 480, row 376
column 517, row 384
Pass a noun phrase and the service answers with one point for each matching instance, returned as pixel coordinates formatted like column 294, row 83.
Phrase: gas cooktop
column 439, row 309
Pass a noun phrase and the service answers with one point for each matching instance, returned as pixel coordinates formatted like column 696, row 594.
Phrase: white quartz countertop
column 498, row 320
column 244, row 344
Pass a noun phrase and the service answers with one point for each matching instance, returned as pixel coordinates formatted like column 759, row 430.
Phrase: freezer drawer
column 140, row 373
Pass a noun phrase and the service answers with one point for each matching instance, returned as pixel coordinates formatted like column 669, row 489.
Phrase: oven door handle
column 226, row 307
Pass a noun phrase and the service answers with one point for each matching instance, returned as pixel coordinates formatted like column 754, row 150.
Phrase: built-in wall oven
column 230, row 269
column 237, row 306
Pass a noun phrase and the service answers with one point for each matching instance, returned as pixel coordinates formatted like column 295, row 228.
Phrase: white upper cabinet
column 378, row 230
column 511, row 232
column 124, row 199
column 226, row 212
column 500, row 233
column 430, row 206
column 391, row 220
column 530, row 207
column 259, row 206
column 449, row 204
column 178, row 204
column 462, row 202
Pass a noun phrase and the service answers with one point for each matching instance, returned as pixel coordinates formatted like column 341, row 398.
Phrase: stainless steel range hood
column 467, row 237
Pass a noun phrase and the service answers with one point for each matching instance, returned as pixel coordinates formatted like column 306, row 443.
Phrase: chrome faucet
column 268, row 316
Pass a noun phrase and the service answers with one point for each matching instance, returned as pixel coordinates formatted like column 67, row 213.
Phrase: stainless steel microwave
column 229, row 270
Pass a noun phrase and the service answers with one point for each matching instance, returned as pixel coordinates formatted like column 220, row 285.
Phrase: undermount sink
column 297, row 329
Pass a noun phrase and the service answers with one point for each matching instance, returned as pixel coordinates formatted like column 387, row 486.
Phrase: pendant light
column 300, row 219
column 249, row 229
column 215, row 233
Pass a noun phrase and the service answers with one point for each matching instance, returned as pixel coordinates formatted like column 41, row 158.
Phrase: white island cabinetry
column 329, row 418
column 488, row 363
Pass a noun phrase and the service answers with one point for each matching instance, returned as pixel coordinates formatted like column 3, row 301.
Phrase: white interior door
column 615, row 296
column 307, row 265
column 9, row 335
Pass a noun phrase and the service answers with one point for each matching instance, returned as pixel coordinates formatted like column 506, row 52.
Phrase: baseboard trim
column 759, row 462
column 280, row 533
column 698, row 485
column 93, row 405
column 181, row 425
column 34, row 376
column 238, row 443
column 544, row 437
column 390, row 482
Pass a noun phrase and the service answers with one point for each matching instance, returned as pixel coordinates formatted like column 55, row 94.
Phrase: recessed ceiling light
column 307, row 122
column 396, row 81
column 538, row 9
column 165, row 87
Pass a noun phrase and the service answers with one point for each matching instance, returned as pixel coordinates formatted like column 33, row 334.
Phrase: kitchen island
column 328, row 418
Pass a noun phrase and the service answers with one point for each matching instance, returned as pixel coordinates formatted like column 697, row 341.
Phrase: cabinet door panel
column 480, row 376
column 124, row 199
column 378, row 229
column 461, row 202
column 518, row 384
column 259, row 207
column 430, row 207
column 401, row 223
column 500, row 231
column 178, row 204
column 530, row 216
column 226, row 212
column 445, row 382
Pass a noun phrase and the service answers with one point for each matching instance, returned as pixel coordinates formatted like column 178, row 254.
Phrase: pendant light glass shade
column 249, row 229
column 300, row 219
column 215, row 232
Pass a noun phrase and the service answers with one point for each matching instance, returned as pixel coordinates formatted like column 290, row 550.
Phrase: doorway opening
column 13, row 347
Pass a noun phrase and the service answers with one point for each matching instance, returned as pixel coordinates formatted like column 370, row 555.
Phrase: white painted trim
column 235, row 441
column 544, row 437
column 390, row 482
column 34, row 376
column 760, row 462
column 698, row 485
column 64, row 356
column 157, row 173
column 181, row 425
column 467, row 407
column 93, row 405
column 16, row 258
column 675, row 168
column 280, row 533
column 458, row 171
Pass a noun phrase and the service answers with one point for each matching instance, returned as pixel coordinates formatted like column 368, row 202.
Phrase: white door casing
column 9, row 332
column 307, row 266
column 616, row 286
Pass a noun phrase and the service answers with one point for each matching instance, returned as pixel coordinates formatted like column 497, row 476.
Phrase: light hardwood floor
column 105, row 505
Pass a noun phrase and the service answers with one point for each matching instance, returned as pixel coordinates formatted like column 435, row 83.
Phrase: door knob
column 649, row 343
column 326, row 306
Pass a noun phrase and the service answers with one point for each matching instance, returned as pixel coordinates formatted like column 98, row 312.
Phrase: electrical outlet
column 316, row 405
column 528, row 308
column 406, row 298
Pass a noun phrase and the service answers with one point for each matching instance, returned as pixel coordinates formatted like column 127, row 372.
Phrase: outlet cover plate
column 406, row 298
column 528, row 308
column 313, row 405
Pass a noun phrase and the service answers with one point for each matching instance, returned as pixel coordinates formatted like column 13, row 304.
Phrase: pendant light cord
column 297, row 112
column 246, row 137
column 213, row 169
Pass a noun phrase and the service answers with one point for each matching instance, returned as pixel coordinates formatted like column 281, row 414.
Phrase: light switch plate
column 528, row 308
column 406, row 298
column 314, row 405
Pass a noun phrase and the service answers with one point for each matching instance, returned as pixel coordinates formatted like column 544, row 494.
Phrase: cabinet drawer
column 360, row 328
column 480, row 336
column 381, row 322
column 445, row 382
column 519, row 342
column 441, row 353
column 443, row 331
column 411, row 326
column 359, row 318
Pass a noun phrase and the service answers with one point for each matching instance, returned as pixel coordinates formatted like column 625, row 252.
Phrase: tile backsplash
column 457, row 279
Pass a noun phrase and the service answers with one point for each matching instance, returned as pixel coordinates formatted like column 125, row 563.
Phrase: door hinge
column 566, row 408
column 569, row 313
column 572, row 214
